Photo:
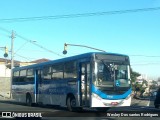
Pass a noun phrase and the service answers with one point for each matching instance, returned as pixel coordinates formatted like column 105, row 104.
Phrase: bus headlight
column 128, row 97
column 96, row 96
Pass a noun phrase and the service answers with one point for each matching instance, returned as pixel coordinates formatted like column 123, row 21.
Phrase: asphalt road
column 53, row 112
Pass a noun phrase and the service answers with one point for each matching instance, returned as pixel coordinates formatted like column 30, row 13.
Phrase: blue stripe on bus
column 49, row 86
column 110, row 97
column 35, row 83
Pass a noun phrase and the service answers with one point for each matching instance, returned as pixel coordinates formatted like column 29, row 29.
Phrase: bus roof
column 76, row 57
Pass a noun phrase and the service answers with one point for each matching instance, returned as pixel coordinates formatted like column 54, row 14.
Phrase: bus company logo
column 6, row 114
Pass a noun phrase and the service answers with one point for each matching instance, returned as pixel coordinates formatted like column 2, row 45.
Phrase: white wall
column 4, row 72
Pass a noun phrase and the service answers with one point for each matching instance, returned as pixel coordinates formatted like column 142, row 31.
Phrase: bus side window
column 22, row 77
column 30, row 75
column 47, row 73
column 57, row 71
column 15, row 76
column 70, row 70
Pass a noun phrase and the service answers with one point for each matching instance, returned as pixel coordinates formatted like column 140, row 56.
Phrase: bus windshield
column 112, row 74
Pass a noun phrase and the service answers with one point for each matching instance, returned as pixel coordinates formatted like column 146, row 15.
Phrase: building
column 4, row 68
column 5, row 65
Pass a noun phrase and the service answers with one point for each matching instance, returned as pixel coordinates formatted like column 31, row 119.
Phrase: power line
column 144, row 64
column 5, row 35
column 29, row 59
column 5, row 30
column 144, row 55
column 40, row 46
column 23, row 19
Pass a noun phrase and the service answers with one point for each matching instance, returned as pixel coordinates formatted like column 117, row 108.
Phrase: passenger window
column 23, row 73
column 16, row 74
column 70, row 70
column 57, row 71
column 30, row 76
column 47, row 73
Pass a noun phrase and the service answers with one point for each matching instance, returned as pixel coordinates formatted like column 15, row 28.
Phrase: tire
column 71, row 104
column 157, row 106
column 28, row 100
column 102, row 109
column 79, row 109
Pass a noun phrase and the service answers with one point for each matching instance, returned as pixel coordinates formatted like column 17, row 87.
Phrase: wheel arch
column 70, row 95
column 28, row 96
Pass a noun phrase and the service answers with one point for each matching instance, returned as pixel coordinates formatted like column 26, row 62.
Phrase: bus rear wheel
column 71, row 103
column 28, row 100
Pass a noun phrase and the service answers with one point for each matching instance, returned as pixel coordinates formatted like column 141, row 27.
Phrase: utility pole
column 12, row 61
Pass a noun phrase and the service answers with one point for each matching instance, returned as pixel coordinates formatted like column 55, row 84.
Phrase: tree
column 145, row 82
column 135, row 86
column 158, row 81
column 154, row 85
column 134, row 75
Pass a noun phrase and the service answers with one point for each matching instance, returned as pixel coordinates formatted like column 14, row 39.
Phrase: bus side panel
column 19, row 91
column 55, row 91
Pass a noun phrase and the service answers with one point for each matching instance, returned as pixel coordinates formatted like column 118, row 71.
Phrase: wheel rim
column 28, row 101
column 73, row 102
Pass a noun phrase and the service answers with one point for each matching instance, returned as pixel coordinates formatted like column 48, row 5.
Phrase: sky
column 134, row 33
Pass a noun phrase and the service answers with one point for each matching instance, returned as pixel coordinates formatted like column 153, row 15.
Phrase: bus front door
column 39, row 78
column 85, row 84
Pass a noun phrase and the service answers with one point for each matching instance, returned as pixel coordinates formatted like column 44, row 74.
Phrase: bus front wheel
column 102, row 109
column 71, row 103
column 28, row 100
column 157, row 106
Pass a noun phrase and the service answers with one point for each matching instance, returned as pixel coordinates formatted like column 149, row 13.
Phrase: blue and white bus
column 90, row 80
